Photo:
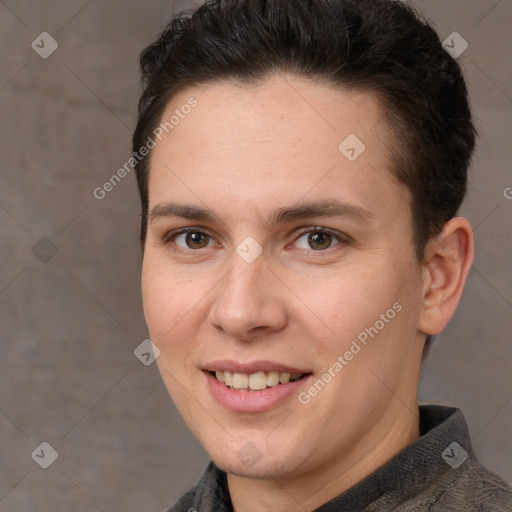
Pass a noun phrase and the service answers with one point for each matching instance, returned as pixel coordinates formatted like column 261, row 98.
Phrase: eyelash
column 342, row 239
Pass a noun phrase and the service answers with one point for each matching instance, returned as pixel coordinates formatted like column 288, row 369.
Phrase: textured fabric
column 431, row 474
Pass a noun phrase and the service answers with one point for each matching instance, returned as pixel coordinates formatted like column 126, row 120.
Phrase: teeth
column 258, row 381
column 272, row 379
column 255, row 381
column 284, row 378
column 240, row 381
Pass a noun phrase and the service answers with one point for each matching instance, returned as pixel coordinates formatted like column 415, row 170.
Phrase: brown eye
column 196, row 240
column 192, row 240
column 319, row 241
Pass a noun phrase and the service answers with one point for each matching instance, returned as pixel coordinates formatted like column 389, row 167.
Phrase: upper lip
column 251, row 367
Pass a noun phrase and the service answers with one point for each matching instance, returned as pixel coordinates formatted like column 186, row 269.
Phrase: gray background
column 69, row 325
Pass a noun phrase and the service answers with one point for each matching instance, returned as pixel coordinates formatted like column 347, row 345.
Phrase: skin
column 242, row 152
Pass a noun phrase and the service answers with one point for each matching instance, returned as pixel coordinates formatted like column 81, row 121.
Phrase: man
column 300, row 166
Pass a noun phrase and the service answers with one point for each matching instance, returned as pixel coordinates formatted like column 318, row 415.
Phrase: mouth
column 257, row 381
column 255, row 386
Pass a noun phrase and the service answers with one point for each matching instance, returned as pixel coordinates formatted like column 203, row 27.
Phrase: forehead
column 276, row 142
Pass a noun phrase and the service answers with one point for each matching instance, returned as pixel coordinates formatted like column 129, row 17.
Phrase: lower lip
column 253, row 401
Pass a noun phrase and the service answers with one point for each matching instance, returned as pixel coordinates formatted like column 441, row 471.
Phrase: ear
column 448, row 260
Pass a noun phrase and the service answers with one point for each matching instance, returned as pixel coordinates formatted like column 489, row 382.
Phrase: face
column 279, row 249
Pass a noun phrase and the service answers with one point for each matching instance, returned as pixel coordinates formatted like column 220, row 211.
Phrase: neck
column 310, row 491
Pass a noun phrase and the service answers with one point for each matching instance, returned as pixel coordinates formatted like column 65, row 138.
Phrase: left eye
column 317, row 240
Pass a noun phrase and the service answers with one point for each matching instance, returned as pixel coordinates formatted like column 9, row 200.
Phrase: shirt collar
column 420, row 473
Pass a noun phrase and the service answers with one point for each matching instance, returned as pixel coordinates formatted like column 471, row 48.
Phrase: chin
column 256, row 470
column 246, row 460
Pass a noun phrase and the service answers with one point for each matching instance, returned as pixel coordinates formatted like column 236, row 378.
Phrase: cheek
column 163, row 304
column 360, row 303
column 175, row 306
column 350, row 297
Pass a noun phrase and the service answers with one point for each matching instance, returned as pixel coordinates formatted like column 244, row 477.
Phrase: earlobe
column 449, row 260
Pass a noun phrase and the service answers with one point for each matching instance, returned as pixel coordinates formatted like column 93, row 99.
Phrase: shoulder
column 476, row 489
column 496, row 493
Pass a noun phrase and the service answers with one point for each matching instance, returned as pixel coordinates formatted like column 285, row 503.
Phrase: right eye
column 191, row 239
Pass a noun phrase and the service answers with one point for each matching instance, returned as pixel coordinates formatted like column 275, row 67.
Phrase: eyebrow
column 304, row 210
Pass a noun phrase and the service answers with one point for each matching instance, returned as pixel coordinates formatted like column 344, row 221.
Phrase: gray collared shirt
column 438, row 472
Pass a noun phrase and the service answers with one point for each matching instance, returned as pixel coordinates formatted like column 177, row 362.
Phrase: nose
column 249, row 301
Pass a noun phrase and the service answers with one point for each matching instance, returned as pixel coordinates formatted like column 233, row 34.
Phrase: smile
column 255, row 381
